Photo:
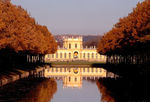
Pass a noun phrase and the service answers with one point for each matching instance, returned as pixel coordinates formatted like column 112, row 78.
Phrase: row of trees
column 22, row 40
column 20, row 32
column 131, row 35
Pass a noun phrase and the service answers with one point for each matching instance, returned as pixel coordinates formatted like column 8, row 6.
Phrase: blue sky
column 78, row 16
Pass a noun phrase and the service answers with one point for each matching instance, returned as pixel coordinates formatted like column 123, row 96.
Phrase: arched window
column 75, row 54
column 69, row 46
column 76, row 46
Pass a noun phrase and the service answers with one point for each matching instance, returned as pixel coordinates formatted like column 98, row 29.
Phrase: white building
column 73, row 50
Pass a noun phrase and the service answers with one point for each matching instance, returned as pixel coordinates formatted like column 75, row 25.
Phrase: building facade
column 73, row 50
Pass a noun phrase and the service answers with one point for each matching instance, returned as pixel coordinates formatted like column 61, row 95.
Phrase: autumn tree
column 129, row 39
column 21, row 38
column 129, row 34
column 20, row 32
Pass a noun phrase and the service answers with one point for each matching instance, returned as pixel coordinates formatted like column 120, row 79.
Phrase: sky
column 78, row 16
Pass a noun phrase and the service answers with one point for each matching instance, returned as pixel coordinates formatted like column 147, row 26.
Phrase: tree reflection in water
column 42, row 92
column 29, row 90
column 106, row 96
column 124, row 90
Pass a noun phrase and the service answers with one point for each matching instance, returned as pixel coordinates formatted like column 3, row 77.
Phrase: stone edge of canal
column 20, row 74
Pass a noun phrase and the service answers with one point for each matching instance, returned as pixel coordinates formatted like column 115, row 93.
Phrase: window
column 65, row 55
column 60, row 55
column 100, row 70
column 75, row 79
column 96, row 55
column 60, row 69
column 52, row 55
column 69, row 46
column 88, row 55
column 83, row 69
column 69, row 55
column 75, row 45
column 92, row 55
column 69, row 79
column 96, row 69
column 56, row 55
column 88, row 70
column 83, row 55
column 64, row 69
column 92, row 69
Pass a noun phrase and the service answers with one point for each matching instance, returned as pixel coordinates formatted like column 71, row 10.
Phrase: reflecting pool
column 58, row 85
column 76, row 84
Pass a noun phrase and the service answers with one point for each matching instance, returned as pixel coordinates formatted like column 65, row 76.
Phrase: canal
column 76, row 85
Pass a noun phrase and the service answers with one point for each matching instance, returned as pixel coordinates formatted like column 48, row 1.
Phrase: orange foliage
column 128, row 32
column 20, row 32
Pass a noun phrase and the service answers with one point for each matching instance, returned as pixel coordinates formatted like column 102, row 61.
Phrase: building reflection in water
column 72, row 77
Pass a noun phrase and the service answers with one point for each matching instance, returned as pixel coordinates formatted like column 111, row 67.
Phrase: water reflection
column 72, row 77
column 106, row 95
column 77, row 84
column 29, row 90
column 71, row 84
column 41, row 93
